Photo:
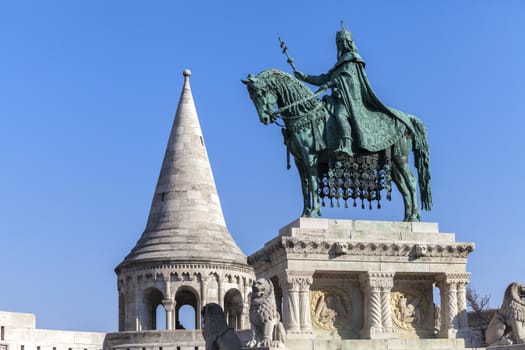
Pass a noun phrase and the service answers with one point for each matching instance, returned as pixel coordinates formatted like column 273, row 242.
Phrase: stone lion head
column 516, row 292
column 262, row 288
column 213, row 319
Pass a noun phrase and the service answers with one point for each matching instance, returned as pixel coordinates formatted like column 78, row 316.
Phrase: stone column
column 169, row 306
column 376, row 288
column 453, row 303
column 462, row 304
column 304, row 303
column 290, row 314
column 386, row 303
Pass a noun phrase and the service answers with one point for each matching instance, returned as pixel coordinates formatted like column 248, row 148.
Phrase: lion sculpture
column 268, row 330
column 507, row 326
column 216, row 332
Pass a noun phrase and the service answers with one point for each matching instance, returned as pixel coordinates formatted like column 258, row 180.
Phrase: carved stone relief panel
column 346, row 287
column 331, row 309
column 410, row 308
column 412, row 302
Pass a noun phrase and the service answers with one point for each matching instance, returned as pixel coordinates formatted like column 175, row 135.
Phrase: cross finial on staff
column 285, row 51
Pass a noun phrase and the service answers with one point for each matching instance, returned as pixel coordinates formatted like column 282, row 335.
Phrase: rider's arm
column 317, row 80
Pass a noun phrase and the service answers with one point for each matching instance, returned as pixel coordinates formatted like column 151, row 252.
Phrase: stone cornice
column 190, row 270
column 178, row 265
column 337, row 249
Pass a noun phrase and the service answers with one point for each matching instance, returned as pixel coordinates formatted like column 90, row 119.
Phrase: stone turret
column 186, row 255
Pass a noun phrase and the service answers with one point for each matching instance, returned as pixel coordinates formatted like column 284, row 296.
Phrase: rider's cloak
column 374, row 125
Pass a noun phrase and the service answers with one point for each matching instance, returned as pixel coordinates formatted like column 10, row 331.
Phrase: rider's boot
column 346, row 146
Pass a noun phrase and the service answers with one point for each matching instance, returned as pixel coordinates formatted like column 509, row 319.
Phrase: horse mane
column 290, row 90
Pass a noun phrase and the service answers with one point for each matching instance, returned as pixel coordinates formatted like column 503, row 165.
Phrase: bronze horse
column 306, row 122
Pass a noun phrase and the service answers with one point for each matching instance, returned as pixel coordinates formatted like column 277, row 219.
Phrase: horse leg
column 401, row 186
column 406, row 180
column 305, row 188
column 313, row 185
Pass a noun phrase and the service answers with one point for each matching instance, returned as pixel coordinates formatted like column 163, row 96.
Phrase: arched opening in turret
column 160, row 317
column 233, row 306
column 152, row 305
column 187, row 304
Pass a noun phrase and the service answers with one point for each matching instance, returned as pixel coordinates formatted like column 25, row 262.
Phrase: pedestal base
column 375, row 280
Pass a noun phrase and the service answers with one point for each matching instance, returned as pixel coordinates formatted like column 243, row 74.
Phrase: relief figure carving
column 331, row 309
column 409, row 309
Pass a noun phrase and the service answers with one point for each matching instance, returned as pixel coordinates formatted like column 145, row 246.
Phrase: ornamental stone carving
column 330, row 308
column 409, row 309
column 340, row 248
column 266, row 322
column 380, row 280
column 511, row 316
column 421, row 250
column 216, row 332
column 294, row 245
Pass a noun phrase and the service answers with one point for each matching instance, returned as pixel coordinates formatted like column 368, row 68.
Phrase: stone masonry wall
column 18, row 332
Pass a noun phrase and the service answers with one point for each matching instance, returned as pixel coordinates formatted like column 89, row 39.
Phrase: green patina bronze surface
column 349, row 145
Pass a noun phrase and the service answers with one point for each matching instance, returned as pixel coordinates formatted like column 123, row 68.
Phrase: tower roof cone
column 185, row 221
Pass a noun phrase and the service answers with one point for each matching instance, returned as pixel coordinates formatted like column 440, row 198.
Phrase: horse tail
column 422, row 162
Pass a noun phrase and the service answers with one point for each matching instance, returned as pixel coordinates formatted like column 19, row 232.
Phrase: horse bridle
column 277, row 114
column 293, row 104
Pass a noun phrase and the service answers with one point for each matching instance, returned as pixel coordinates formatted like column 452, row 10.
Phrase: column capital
column 454, row 278
column 169, row 305
column 297, row 280
column 377, row 280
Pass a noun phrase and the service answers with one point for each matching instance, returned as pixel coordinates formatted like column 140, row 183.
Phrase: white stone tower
column 186, row 255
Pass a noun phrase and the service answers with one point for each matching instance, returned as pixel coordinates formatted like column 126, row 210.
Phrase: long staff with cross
column 285, row 51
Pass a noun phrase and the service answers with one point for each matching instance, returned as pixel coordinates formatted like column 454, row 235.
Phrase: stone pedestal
column 507, row 347
column 344, row 279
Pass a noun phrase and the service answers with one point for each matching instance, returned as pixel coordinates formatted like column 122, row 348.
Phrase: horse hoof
column 311, row 214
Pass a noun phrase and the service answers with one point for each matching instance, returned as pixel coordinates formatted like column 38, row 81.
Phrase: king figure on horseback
column 349, row 145
column 356, row 108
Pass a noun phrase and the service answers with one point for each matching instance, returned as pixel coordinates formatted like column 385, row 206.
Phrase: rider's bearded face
column 343, row 45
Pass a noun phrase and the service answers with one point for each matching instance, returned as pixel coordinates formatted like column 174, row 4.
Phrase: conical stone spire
column 186, row 222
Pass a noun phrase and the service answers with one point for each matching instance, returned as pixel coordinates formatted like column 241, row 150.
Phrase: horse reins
column 282, row 109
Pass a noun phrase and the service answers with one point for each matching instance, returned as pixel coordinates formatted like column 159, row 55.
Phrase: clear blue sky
column 88, row 90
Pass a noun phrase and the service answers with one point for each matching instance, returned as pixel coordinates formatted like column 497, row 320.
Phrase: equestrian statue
column 347, row 146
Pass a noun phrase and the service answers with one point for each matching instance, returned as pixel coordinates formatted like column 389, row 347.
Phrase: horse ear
column 251, row 79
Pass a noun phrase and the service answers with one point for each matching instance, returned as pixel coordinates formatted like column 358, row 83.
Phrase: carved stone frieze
column 340, row 249
column 330, row 308
column 195, row 273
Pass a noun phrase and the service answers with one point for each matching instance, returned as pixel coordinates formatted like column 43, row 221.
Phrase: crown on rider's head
column 343, row 34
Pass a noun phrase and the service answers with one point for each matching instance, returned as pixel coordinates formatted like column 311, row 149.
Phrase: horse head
column 263, row 98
